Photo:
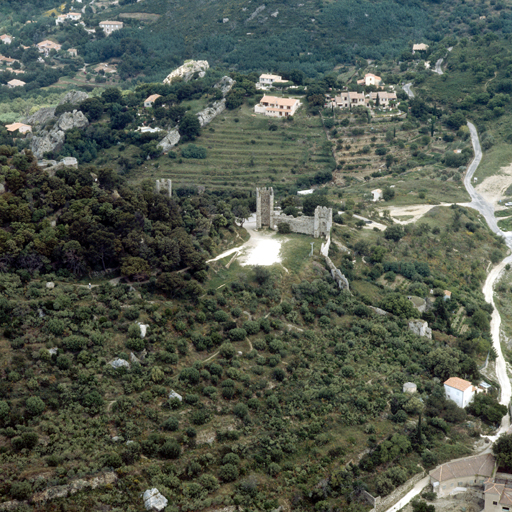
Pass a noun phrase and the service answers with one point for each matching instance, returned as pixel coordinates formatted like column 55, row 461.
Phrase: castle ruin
column 264, row 207
column 163, row 184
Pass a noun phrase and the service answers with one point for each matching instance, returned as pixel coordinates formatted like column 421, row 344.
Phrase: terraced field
column 245, row 150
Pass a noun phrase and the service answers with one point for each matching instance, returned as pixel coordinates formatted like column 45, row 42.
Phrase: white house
column 111, row 26
column 459, row 391
column 148, row 102
column 377, row 194
column 270, row 79
column 15, row 83
column 46, row 46
column 73, row 16
column 22, row 128
column 277, row 107
column 6, row 39
column 370, row 79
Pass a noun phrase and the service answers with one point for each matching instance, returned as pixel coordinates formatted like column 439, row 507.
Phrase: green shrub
column 171, row 424
column 283, row 228
column 193, row 151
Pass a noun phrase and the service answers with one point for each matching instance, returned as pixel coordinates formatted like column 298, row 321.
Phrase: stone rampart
column 303, row 225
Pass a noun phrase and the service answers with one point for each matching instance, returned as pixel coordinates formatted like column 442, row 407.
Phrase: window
column 494, row 502
column 506, row 509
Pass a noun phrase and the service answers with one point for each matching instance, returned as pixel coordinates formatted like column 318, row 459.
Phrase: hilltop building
column 370, row 79
column 111, row 26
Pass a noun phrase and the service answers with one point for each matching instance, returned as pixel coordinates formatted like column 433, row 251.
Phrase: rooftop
column 481, row 465
column 460, row 384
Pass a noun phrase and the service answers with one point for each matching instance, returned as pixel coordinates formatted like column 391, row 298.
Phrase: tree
column 311, row 202
column 135, row 268
column 189, row 127
column 502, row 448
column 394, row 233
column 35, row 406
column 241, row 213
column 92, row 108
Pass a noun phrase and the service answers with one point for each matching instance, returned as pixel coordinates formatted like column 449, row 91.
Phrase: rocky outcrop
column 48, row 141
column 51, row 140
column 73, row 97
column 153, row 500
column 170, row 140
column 70, row 120
column 41, row 117
column 420, row 328
column 188, row 70
column 225, row 84
column 209, row 113
column 119, row 363
column 62, row 491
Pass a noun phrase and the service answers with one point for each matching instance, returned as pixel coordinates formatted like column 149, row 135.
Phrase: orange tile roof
column 481, row 465
column 153, row 97
column 460, row 384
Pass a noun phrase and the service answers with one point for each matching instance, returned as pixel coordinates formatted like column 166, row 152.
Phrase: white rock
column 70, row 120
column 170, row 140
column 188, row 70
column 119, row 363
column 173, row 394
column 225, row 84
column 420, row 328
column 209, row 113
column 53, row 351
column 143, row 329
column 50, row 285
column 153, row 500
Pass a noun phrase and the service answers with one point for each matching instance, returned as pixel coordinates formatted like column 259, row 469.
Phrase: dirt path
column 416, row 211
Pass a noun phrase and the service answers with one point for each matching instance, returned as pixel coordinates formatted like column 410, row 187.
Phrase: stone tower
column 264, row 207
column 164, row 184
column 323, row 221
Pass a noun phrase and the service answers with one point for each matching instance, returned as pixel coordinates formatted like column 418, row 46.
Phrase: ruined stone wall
column 264, row 207
column 164, row 184
column 303, row 225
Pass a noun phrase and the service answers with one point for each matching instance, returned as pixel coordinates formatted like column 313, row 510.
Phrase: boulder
column 170, row 140
column 70, row 120
column 153, row 500
column 173, row 394
column 119, row 363
column 225, row 84
column 50, row 285
column 209, row 113
column 73, row 97
column 188, row 70
column 420, row 328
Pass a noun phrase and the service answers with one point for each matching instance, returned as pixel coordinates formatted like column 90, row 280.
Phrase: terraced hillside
column 245, row 150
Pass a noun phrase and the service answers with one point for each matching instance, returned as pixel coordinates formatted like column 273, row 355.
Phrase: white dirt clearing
column 415, row 211
column 493, row 188
column 261, row 249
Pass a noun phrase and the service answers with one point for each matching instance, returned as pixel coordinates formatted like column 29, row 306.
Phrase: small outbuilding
column 148, row 102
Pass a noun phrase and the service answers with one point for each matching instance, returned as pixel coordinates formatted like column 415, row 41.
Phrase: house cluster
column 72, row 16
column 349, row 99
column 273, row 106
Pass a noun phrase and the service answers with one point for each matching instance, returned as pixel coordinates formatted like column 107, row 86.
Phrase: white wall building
column 459, row 391
column 111, row 26
column 270, row 79
column 277, row 107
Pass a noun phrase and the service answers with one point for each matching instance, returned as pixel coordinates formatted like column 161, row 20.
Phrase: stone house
column 377, row 194
column 273, row 106
column 111, row 26
column 382, row 98
column 46, row 46
column 459, row 391
column 370, row 79
column 148, row 102
column 419, row 48
column 22, row 128
column 15, row 83
column 498, row 493
column 269, row 79
column 349, row 99
column 456, row 476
